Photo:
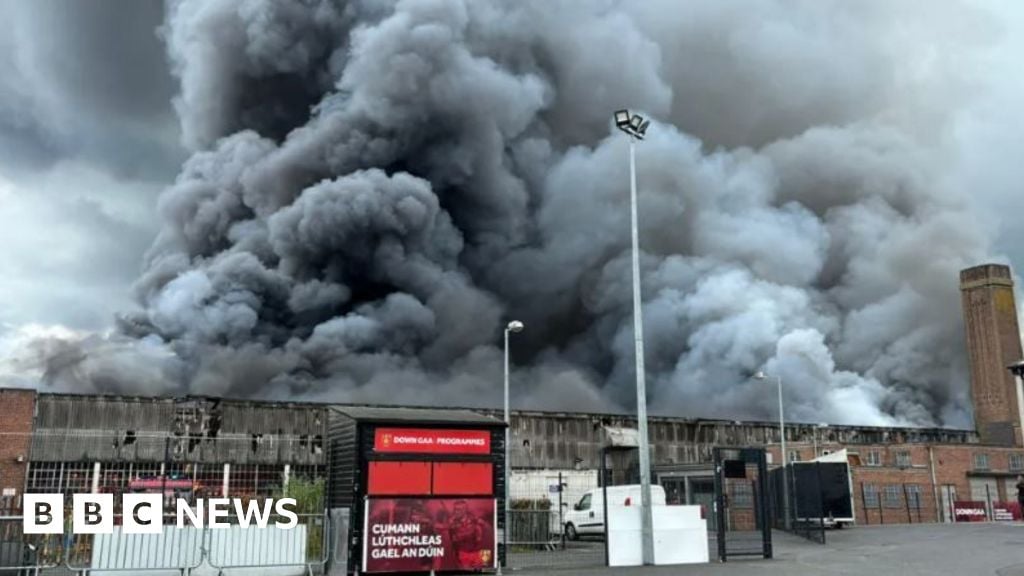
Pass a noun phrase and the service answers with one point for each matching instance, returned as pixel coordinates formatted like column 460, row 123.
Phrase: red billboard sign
column 429, row 441
column 1006, row 511
column 425, row 534
column 969, row 511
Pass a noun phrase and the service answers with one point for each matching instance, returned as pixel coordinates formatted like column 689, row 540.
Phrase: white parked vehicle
column 587, row 515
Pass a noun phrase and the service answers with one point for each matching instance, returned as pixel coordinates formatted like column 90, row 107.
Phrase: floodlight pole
column 785, row 457
column 514, row 326
column 508, row 462
column 646, row 516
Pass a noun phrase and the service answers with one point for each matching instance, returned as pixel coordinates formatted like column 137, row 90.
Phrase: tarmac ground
column 981, row 549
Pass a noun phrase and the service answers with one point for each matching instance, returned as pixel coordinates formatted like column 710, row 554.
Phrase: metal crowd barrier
column 304, row 546
column 181, row 550
column 176, row 549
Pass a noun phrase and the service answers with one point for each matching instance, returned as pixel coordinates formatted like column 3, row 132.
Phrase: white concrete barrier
column 680, row 536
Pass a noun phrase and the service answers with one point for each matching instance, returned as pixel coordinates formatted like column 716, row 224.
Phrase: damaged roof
column 383, row 414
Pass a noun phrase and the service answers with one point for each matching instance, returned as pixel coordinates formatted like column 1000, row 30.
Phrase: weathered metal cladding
column 573, row 440
column 343, row 458
column 196, row 430
column 64, row 412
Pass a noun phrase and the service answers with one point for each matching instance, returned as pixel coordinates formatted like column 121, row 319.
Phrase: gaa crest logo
column 386, row 440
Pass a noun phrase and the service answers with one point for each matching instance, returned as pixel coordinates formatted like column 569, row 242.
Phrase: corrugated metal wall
column 566, row 440
column 110, row 429
column 342, row 434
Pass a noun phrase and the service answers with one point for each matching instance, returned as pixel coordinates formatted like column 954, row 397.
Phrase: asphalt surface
column 928, row 549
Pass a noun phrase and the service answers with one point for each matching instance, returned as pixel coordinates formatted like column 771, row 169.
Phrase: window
column 981, row 461
column 903, row 459
column 794, row 456
column 892, row 496
column 914, row 496
column 464, row 478
column 584, row 503
column 399, row 478
column 871, row 495
column 44, row 477
column 1016, row 462
column 874, row 458
column 77, row 477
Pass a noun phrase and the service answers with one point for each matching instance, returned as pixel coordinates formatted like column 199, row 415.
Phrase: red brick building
column 917, row 483
column 17, row 408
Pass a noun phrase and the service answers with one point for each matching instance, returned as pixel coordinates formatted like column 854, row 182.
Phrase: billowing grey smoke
column 376, row 188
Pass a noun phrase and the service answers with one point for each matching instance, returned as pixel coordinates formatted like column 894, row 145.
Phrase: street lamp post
column 635, row 127
column 785, row 456
column 513, row 326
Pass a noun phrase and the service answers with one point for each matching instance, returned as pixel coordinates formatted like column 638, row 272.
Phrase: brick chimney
column 993, row 343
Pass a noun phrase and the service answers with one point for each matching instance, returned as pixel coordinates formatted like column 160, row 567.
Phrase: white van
column 587, row 515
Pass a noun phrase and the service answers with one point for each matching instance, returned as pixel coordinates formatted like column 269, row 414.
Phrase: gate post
column 604, row 499
column 719, row 507
column 762, row 481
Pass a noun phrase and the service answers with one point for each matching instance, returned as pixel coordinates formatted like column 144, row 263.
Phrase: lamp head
column 1017, row 368
column 622, row 118
column 633, row 124
column 759, row 375
column 515, row 326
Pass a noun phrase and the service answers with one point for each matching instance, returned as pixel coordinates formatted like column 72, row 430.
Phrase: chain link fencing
column 889, row 503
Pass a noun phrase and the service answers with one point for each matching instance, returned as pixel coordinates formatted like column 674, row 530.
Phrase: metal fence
column 882, row 503
column 537, row 535
column 303, row 548
column 27, row 553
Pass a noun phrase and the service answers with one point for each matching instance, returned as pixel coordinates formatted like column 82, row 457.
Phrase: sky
column 107, row 109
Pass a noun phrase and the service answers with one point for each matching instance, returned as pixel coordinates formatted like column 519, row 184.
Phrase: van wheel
column 570, row 532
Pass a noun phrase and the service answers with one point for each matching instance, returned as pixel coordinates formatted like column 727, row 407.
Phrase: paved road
column 929, row 549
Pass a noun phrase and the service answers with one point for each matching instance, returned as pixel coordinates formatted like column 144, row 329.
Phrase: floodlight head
column 643, row 128
column 515, row 326
column 635, row 122
column 622, row 118
column 759, row 375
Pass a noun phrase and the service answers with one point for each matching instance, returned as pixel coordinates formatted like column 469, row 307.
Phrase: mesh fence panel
column 539, row 533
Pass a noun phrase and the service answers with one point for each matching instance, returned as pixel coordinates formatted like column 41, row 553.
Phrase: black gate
column 741, row 515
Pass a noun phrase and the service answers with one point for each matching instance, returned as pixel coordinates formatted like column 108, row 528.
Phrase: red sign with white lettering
column 1006, row 511
column 427, row 441
column 969, row 511
column 429, row 535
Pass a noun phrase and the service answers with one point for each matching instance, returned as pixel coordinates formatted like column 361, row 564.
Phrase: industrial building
column 201, row 446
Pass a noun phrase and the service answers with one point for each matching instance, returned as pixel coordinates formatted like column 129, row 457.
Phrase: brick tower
column 993, row 343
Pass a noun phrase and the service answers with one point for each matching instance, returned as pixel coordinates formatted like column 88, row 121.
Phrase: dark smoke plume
column 376, row 188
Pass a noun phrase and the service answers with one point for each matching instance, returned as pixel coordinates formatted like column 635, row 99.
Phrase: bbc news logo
column 145, row 514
